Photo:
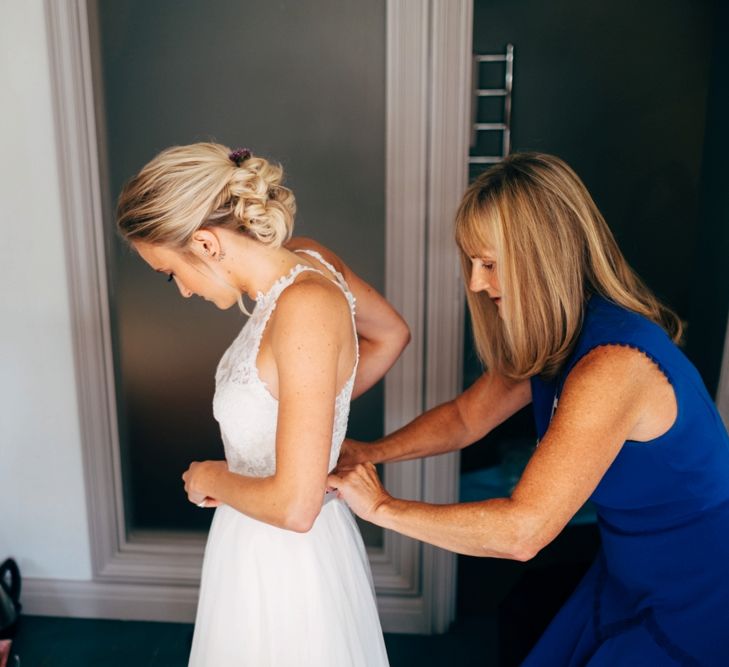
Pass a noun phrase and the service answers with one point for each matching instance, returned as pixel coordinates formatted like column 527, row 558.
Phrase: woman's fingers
column 360, row 488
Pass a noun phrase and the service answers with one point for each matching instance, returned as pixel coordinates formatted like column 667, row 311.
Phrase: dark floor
column 66, row 642
column 503, row 607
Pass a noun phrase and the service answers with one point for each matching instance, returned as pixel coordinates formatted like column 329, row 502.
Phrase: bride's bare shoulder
column 312, row 301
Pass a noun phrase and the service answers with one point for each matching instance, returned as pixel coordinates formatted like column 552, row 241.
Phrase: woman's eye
column 170, row 277
column 487, row 265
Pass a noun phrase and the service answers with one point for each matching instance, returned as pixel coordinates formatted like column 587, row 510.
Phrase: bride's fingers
column 204, row 502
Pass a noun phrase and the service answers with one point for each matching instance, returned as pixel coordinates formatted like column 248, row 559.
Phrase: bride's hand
column 361, row 489
column 199, row 481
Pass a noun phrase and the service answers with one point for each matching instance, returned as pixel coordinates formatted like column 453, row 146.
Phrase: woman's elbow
column 524, row 535
column 300, row 520
column 398, row 336
column 523, row 552
column 527, row 543
column 403, row 333
column 518, row 551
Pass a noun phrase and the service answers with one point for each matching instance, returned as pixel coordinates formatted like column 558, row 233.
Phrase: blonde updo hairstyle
column 204, row 185
column 553, row 250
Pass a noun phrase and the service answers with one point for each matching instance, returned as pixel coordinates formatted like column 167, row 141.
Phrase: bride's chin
column 227, row 305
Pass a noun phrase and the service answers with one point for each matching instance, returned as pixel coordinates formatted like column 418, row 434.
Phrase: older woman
column 561, row 321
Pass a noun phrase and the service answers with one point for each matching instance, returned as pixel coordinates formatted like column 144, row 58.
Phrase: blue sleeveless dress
column 658, row 592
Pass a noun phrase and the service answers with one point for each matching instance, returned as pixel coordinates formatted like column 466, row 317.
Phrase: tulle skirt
column 275, row 598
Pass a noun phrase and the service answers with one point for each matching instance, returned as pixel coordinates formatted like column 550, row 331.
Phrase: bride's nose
column 186, row 293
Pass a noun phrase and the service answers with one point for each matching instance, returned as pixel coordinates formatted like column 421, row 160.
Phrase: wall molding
column 156, row 576
column 451, row 38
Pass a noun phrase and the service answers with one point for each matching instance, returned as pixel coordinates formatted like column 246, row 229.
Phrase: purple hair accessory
column 239, row 155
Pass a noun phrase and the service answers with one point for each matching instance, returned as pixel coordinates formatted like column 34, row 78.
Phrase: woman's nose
column 478, row 282
column 186, row 293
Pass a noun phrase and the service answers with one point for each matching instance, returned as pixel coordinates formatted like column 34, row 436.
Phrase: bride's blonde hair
column 203, row 185
column 553, row 250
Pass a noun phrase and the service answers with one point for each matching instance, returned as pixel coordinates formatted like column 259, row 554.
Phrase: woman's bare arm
column 609, row 397
column 450, row 426
column 382, row 332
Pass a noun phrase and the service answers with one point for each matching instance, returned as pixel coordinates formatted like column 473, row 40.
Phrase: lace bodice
column 243, row 405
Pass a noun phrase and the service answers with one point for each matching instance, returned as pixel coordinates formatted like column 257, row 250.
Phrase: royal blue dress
column 658, row 591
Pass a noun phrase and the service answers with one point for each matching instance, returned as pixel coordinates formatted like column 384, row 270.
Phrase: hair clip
column 239, row 155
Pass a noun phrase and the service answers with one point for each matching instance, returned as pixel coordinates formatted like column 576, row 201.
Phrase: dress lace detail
column 243, row 405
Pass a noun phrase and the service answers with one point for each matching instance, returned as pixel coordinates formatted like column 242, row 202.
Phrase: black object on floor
column 9, row 598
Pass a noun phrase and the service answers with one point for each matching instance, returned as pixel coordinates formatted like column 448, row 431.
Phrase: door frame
column 155, row 576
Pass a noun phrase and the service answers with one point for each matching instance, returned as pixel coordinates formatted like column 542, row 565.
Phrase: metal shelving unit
column 503, row 124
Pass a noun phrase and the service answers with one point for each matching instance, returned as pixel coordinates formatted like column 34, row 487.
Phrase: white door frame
column 156, row 576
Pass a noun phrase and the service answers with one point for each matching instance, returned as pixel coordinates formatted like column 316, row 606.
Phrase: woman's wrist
column 384, row 511
column 214, row 481
column 371, row 453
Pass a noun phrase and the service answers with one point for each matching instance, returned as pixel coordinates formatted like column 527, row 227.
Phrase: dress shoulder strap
column 266, row 304
column 318, row 257
column 342, row 283
column 264, row 300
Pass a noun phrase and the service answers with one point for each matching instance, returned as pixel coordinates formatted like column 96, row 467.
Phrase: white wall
column 43, row 520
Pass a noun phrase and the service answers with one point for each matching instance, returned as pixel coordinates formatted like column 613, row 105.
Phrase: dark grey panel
column 618, row 89
column 300, row 82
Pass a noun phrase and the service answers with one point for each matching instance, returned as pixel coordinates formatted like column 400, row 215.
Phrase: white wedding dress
column 270, row 597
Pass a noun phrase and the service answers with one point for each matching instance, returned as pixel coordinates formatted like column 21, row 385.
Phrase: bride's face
column 192, row 275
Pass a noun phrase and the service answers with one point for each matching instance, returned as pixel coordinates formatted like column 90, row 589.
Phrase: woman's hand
column 200, row 479
column 360, row 488
column 353, row 452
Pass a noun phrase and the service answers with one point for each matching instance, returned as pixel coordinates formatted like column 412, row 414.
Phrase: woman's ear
column 205, row 243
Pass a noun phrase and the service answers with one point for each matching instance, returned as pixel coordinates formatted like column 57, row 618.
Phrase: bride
column 285, row 578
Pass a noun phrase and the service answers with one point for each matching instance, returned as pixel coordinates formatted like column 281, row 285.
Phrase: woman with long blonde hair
column 285, row 577
column 623, row 418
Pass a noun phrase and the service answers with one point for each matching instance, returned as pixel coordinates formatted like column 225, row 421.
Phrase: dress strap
column 265, row 299
column 342, row 283
column 317, row 256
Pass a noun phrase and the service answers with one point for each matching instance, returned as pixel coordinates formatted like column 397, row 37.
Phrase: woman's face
column 190, row 277
column 484, row 277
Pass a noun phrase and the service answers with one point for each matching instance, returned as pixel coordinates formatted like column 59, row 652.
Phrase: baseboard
column 131, row 602
column 92, row 599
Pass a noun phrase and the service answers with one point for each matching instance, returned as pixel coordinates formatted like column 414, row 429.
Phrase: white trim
column 450, row 97
column 156, row 577
column 84, row 245
column 97, row 599
column 405, row 206
column 150, row 602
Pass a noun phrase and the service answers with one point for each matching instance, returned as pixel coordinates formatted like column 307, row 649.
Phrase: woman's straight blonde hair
column 553, row 250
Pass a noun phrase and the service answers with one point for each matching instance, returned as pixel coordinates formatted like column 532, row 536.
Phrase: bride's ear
column 205, row 243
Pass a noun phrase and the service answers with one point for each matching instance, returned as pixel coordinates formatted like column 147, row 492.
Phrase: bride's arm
column 382, row 332
column 307, row 336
